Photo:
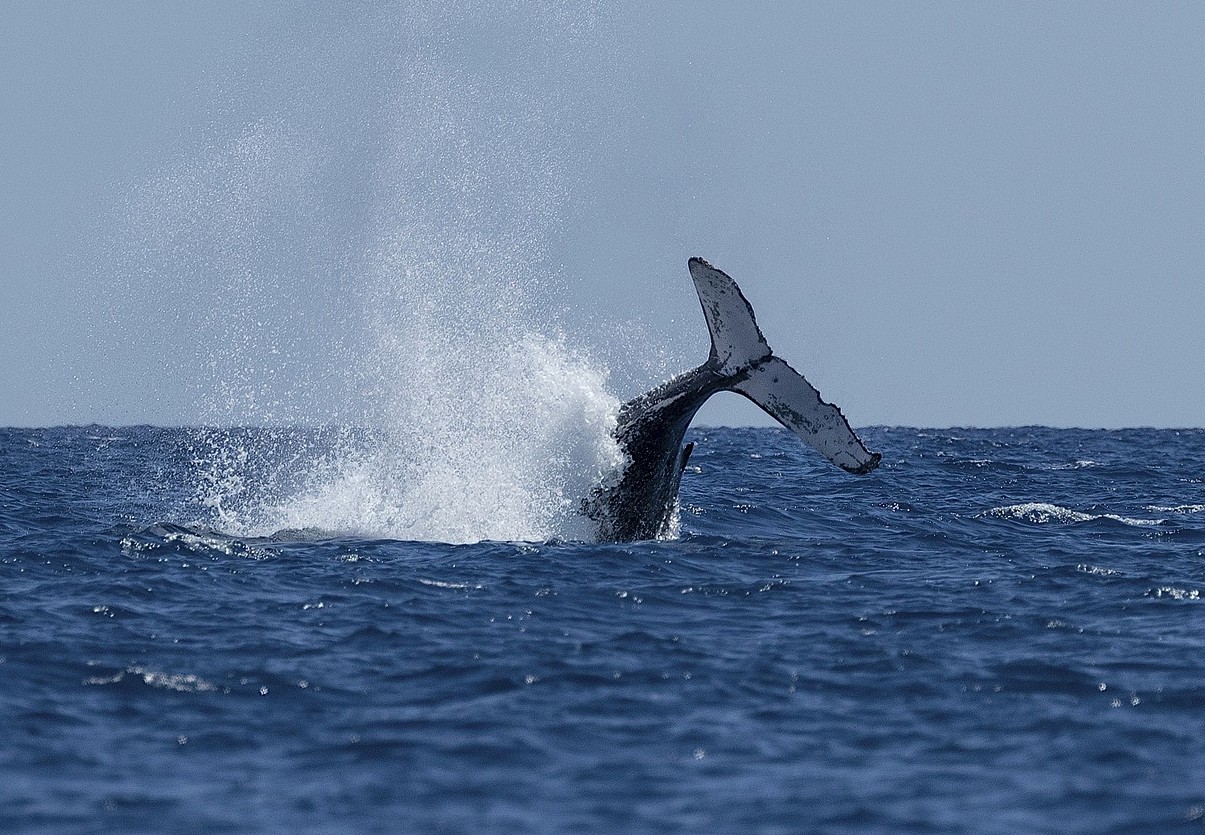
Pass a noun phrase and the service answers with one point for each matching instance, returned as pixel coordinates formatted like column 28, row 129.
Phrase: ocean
column 1000, row 630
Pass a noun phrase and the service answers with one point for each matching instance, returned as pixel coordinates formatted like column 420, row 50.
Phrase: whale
column 640, row 502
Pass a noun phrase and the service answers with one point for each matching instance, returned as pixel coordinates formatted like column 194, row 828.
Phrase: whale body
column 642, row 502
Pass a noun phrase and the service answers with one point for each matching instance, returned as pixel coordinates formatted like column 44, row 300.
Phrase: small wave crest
column 166, row 538
column 1178, row 509
column 179, row 682
column 1042, row 513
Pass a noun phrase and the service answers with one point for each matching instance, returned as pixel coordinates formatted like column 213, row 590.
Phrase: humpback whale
column 640, row 503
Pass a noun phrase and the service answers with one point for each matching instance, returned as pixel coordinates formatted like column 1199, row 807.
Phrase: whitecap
column 1182, row 508
column 440, row 584
column 1175, row 593
column 1096, row 569
column 180, row 682
column 1040, row 513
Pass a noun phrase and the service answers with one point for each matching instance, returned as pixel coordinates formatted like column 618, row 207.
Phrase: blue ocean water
column 997, row 631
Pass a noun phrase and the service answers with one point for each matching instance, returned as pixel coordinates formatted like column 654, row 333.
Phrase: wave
column 1042, row 513
column 179, row 682
column 167, row 538
column 1180, row 508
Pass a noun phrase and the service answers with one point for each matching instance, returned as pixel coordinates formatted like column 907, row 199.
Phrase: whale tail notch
column 744, row 361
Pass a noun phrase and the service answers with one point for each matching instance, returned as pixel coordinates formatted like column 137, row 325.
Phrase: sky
column 944, row 214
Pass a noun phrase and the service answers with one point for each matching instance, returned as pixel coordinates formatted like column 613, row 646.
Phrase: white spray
column 475, row 419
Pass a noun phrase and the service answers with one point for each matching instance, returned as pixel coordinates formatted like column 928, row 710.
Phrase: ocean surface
column 1000, row 630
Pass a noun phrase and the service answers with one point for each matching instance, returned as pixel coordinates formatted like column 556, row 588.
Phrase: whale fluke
column 643, row 502
column 740, row 351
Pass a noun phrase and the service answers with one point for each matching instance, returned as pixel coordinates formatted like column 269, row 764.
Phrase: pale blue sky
column 943, row 213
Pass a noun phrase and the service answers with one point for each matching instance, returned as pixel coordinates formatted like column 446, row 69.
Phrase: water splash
column 504, row 449
column 469, row 415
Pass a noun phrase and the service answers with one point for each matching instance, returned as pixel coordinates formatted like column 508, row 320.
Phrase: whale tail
column 743, row 360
